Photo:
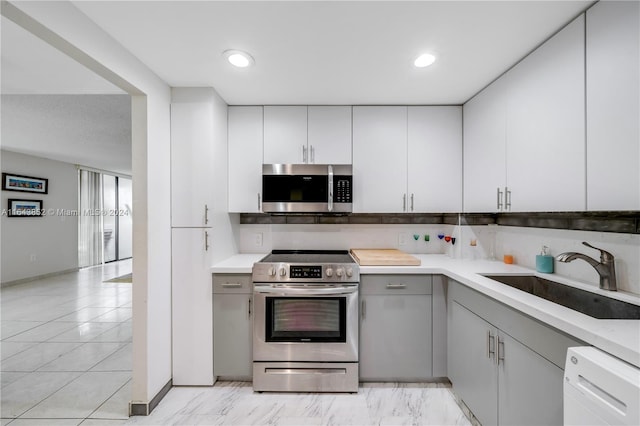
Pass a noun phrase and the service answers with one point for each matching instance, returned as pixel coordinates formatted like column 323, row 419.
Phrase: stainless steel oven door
column 305, row 323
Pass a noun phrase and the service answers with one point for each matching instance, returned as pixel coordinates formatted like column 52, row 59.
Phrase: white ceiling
column 333, row 52
column 90, row 130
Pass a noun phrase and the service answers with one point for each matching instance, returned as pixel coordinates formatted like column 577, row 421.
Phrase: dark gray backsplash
column 624, row 222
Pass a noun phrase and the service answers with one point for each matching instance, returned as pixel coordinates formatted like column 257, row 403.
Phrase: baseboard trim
column 145, row 408
column 37, row 277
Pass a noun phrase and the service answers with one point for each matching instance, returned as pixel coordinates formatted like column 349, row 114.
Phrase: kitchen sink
column 583, row 301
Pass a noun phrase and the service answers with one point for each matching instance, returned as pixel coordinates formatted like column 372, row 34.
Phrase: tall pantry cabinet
column 192, row 140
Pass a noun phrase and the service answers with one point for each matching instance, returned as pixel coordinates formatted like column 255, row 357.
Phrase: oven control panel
column 313, row 271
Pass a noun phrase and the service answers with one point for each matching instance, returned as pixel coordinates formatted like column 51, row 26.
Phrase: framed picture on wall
column 25, row 208
column 11, row 182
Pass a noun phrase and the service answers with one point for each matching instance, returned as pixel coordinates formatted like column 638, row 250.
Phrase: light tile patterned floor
column 66, row 360
column 235, row 403
column 66, row 349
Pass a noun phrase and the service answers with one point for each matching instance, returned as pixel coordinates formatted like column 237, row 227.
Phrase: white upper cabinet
column 485, row 149
column 407, row 159
column 546, row 126
column 524, row 138
column 379, row 159
column 613, row 111
column 245, row 158
column 329, row 135
column 191, row 163
column 307, row 135
column 285, row 134
column 434, row 159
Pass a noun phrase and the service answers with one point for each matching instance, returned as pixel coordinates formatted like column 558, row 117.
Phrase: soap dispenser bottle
column 544, row 261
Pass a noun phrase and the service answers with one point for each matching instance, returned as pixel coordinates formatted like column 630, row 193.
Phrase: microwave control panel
column 342, row 189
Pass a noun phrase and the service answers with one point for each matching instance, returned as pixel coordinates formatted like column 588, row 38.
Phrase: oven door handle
column 301, row 291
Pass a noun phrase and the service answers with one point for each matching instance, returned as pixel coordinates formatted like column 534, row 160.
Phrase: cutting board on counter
column 384, row 257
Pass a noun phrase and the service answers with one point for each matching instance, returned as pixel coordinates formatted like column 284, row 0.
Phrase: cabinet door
column 232, row 331
column 613, row 106
column 530, row 387
column 245, row 159
column 329, row 134
column 192, row 307
column 379, row 159
column 472, row 368
column 395, row 337
column 484, row 153
column 191, row 163
column 546, row 125
column 285, row 134
column 434, row 155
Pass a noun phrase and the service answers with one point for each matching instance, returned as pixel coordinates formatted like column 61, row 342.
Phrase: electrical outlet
column 402, row 239
column 258, row 239
column 32, row 258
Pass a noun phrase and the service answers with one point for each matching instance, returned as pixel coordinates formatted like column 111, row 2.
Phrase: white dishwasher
column 600, row 389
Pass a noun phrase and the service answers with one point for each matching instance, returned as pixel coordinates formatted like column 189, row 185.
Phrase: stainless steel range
column 305, row 329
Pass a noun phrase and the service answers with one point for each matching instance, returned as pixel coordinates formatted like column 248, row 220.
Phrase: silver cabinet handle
column 396, row 286
column 491, row 343
column 259, row 203
column 206, row 241
column 507, row 199
column 500, row 355
column 231, row 285
column 206, row 214
column 404, row 202
column 312, row 154
column 364, row 308
column 304, row 154
column 249, row 307
column 411, row 202
column 330, row 201
column 499, row 200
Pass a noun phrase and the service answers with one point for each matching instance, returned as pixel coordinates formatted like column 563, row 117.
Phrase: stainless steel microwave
column 306, row 188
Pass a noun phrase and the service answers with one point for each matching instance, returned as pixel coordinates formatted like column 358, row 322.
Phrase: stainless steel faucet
column 606, row 268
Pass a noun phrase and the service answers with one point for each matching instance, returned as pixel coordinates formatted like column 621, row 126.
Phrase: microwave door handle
column 330, row 204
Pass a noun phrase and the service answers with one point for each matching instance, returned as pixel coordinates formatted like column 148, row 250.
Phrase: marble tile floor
column 66, row 345
column 235, row 403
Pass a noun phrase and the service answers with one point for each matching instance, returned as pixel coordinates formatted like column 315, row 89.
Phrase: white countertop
column 238, row 264
column 620, row 338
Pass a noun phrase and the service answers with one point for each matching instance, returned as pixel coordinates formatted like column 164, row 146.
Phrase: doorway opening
column 105, row 225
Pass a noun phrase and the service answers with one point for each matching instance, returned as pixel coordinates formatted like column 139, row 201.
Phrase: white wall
column 344, row 237
column 52, row 239
column 64, row 26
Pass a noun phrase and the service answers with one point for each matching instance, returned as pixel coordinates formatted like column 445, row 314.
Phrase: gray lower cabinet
column 395, row 328
column 471, row 369
column 505, row 366
column 232, row 326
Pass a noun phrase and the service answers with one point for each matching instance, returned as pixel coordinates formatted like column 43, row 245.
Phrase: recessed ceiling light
column 424, row 60
column 238, row 58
